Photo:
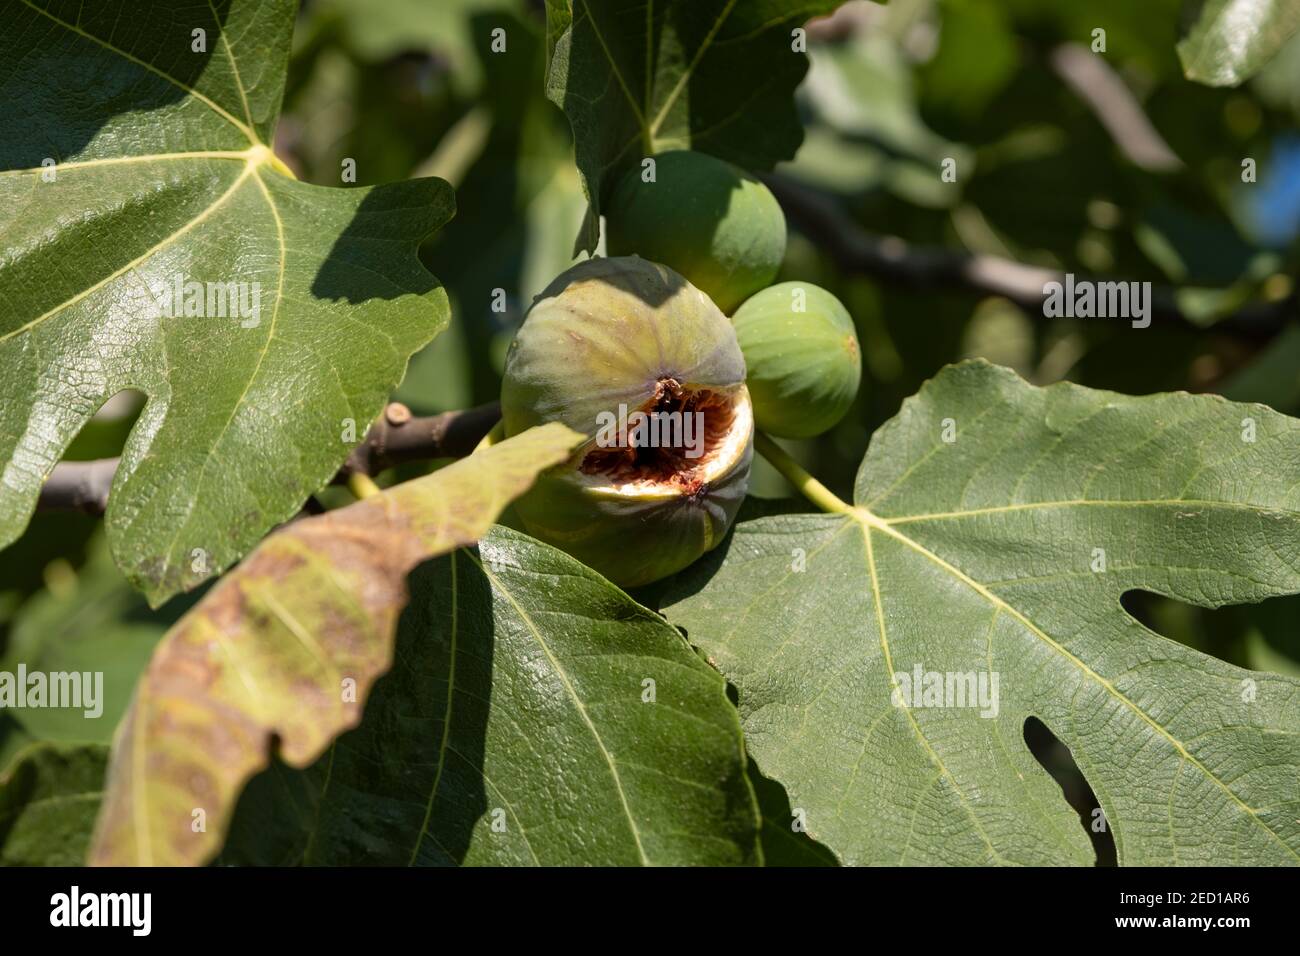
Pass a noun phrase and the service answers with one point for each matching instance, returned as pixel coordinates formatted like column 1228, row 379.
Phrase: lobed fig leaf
column 995, row 529
column 152, row 241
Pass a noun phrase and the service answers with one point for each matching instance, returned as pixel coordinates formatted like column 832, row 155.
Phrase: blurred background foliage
column 1113, row 166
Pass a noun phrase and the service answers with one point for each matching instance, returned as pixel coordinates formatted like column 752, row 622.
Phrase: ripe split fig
column 802, row 354
column 633, row 356
column 709, row 220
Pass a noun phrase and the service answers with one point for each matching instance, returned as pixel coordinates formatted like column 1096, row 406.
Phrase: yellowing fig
column 635, row 357
column 709, row 220
column 803, row 359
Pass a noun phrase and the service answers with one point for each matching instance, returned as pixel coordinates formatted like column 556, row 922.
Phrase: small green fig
column 803, row 358
column 709, row 220
column 630, row 354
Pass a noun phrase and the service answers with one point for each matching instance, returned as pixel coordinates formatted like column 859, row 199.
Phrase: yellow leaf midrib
column 241, row 155
column 581, row 708
column 653, row 129
column 257, row 368
column 911, row 718
column 139, row 260
column 1088, row 502
column 648, row 127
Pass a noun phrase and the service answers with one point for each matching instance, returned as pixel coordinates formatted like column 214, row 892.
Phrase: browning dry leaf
column 285, row 649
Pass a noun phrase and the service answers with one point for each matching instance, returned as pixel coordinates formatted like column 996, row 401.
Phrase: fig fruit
column 709, row 220
column 802, row 354
column 632, row 355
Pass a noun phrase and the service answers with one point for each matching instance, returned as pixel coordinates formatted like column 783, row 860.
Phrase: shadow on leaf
column 414, row 789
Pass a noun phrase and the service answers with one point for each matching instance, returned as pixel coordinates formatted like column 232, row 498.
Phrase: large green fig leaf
column 286, row 648
column 1231, row 40
column 536, row 716
column 48, row 800
column 995, row 530
column 133, row 161
column 638, row 77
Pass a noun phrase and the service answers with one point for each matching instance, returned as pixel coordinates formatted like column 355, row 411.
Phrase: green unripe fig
column 803, row 358
column 630, row 354
column 709, row 220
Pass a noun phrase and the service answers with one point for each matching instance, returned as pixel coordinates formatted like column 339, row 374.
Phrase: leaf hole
column 104, row 434
column 1055, row 757
column 1258, row 636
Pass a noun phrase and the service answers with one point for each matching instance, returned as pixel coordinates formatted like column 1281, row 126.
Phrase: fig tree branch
column 889, row 258
column 396, row 437
column 1095, row 82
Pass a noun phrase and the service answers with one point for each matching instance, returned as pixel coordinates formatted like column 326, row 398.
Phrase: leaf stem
column 362, row 486
column 793, row 472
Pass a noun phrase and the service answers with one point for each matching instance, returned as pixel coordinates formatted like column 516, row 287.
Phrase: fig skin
column 804, row 367
column 711, row 221
column 624, row 331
